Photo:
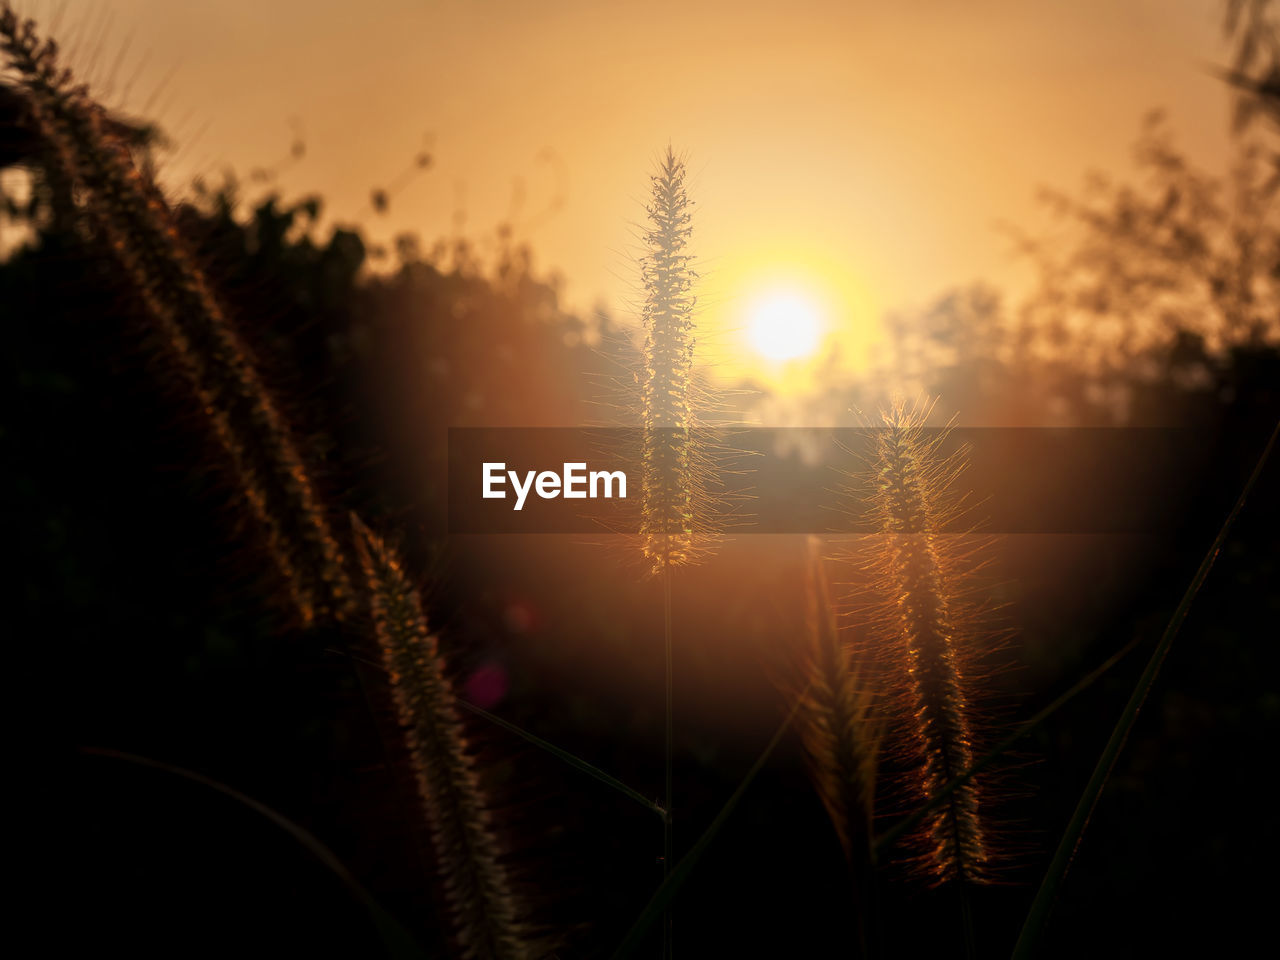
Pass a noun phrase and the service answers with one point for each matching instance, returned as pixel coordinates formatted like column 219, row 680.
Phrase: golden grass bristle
column 124, row 210
column 929, row 638
column 670, row 482
column 836, row 722
column 483, row 911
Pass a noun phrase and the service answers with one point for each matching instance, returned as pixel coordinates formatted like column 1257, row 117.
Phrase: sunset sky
column 849, row 156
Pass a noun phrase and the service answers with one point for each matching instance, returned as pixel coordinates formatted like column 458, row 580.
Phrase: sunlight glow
column 785, row 327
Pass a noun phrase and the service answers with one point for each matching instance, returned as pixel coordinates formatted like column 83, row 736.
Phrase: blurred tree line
column 1154, row 302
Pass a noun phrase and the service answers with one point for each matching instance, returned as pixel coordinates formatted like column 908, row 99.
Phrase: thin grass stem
column 667, row 839
column 399, row 942
column 1042, row 906
column 574, row 761
column 658, row 904
column 559, row 752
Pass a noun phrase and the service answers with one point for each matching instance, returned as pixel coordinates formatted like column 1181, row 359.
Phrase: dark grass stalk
column 668, row 840
column 399, row 943
column 659, row 904
column 559, row 752
column 484, row 913
column 841, row 737
column 94, row 172
column 1042, row 906
column 571, row 759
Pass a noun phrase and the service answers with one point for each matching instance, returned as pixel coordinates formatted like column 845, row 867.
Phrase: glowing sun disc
column 785, row 327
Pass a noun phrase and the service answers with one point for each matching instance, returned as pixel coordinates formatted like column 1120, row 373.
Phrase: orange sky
column 856, row 152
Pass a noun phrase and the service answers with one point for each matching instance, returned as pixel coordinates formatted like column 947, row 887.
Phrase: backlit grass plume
column 669, row 484
column 841, row 735
column 91, row 169
column 481, row 906
column 840, row 730
column 930, row 643
column 673, row 469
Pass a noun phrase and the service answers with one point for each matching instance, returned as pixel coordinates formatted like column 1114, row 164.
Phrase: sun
column 785, row 326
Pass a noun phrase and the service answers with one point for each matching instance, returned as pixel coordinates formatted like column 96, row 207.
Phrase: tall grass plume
column 484, row 912
column 91, row 168
column 840, row 728
column 930, row 636
column 836, row 719
column 673, row 522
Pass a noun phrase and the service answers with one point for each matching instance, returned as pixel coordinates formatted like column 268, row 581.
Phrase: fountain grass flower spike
column 929, row 637
column 482, row 908
column 121, row 210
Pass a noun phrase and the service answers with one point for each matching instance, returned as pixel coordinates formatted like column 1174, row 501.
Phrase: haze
column 853, row 154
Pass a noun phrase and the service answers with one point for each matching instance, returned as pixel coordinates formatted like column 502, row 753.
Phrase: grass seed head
column 92, row 170
column 929, row 640
column 671, row 483
column 483, row 911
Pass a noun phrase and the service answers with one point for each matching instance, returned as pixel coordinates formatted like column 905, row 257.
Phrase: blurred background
column 424, row 216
